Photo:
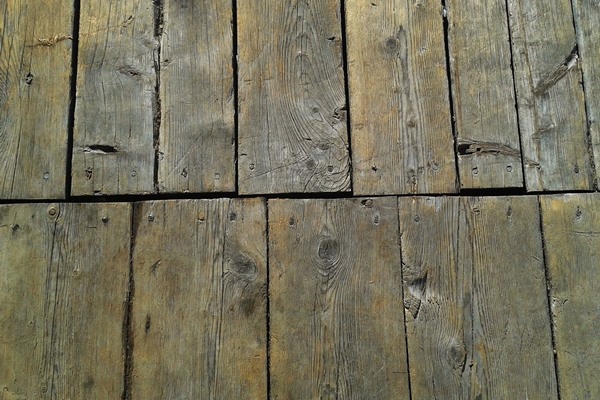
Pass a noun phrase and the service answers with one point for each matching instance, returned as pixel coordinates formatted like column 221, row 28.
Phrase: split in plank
column 572, row 239
column 477, row 315
column 337, row 327
column 199, row 311
column 35, row 71
column 292, row 107
column 63, row 291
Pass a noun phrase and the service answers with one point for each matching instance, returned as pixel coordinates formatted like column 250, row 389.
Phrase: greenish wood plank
column 199, row 311
column 337, row 328
column 62, row 300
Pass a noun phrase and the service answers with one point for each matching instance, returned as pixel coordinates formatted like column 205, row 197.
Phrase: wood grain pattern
column 549, row 96
column 489, row 152
column 572, row 240
column 399, row 111
column 477, row 319
column 292, row 108
column 113, row 149
column 337, row 329
column 199, row 312
column 64, row 284
column 587, row 20
column 197, row 138
column 35, row 70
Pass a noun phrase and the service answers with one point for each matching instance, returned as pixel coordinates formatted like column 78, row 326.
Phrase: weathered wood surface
column 35, row 69
column 292, row 107
column 549, row 95
column 399, row 110
column 199, row 310
column 489, row 152
column 337, row 328
column 197, row 133
column 572, row 240
column 587, row 21
column 113, row 149
column 474, row 291
column 64, row 283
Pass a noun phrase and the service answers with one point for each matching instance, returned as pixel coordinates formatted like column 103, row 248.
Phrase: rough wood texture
column 572, row 239
column 475, row 297
column 489, row 152
column 35, row 69
column 337, row 328
column 292, row 107
column 113, row 150
column 587, row 21
column 401, row 133
column 64, row 283
column 549, row 95
column 197, row 138
column 199, row 312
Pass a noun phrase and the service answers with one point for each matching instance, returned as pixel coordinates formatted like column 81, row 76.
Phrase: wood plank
column 197, row 138
column 292, row 107
column 63, row 290
column 549, row 96
column 35, row 70
column 489, row 152
column 587, row 20
column 474, row 286
column 199, row 312
column 400, row 116
column 572, row 239
column 337, row 329
column 113, row 149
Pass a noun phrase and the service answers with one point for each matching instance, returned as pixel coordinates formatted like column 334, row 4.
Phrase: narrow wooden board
column 113, row 149
column 35, row 71
column 549, row 96
column 587, row 20
column 399, row 111
column 62, row 300
column 489, row 152
column 477, row 315
column 292, row 107
column 572, row 240
column 337, row 328
column 199, row 311
column 197, row 133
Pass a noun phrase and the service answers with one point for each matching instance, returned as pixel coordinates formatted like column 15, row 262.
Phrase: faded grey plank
column 113, row 149
column 549, row 96
column 587, row 21
column 572, row 240
column 399, row 111
column 64, row 284
column 337, row 329
column 489, row 152
column 199, row 312
column 35, row 69
column 197, row 135
column 292, row 108
column 474, row 287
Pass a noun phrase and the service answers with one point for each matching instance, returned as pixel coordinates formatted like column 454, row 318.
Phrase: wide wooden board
column 199, row 311
column 337, row 327
column 35, row 71
column 489, row 152
column 197, row 134
column 475, row 296
column 549, row 96
column 64, row 285
column 292, row 107
column 399, row 104
column 572, row 242
column 113, row 149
